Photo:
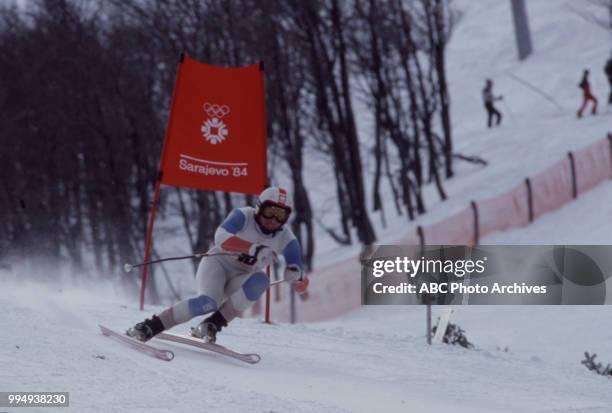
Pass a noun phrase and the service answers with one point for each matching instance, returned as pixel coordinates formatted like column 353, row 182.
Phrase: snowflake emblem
column 214, row 130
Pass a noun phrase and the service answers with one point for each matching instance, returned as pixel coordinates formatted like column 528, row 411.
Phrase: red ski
column 165, row 355
column 250, row 358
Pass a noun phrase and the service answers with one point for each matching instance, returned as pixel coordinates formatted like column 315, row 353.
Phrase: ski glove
column 258, row 253
column 293, row 273
column 264, row 255
column 295, row 276
column 301, row 286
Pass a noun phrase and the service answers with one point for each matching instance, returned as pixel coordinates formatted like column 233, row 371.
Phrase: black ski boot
column 145, row 330
column 207, row 330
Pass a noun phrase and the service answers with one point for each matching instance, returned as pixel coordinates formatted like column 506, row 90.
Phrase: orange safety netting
column 593, row 165
column 455, row 230
column 552, row 187
column 505, row 211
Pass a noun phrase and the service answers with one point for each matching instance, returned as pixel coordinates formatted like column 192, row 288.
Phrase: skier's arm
column 293, row 255
column 227, row 239
column 294, row 271
column 225, row 236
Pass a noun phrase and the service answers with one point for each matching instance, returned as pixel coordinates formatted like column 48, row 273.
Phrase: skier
column 489, row 98
column 585, row 85
column 608, row 71
column 228, row 285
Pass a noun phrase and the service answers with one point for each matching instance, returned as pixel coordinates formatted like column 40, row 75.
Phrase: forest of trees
column 84, row 97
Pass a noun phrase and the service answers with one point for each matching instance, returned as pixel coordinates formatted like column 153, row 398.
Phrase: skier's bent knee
column 256, row 285
column 201, row 305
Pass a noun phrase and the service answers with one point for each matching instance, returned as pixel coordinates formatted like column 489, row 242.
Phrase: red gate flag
column 216, row 136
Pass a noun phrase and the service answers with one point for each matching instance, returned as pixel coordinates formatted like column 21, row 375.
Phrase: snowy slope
column 373, row 360
column 535, row 133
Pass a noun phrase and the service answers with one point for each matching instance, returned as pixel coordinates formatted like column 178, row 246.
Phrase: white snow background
column 527, row 359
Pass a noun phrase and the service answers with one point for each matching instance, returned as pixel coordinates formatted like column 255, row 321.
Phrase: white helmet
column 276, row 196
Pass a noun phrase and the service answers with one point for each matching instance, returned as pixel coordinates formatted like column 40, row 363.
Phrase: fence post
column 425, row 299
column 476, row 223
column 421, row 235
column 428, row 323
column 529, row 198
column 573, row 169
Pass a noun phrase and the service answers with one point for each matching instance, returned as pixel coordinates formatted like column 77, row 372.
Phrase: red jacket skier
column 585, row 85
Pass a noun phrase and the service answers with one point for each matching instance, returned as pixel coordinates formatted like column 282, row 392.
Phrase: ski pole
column 130, row 267
column 509, row 111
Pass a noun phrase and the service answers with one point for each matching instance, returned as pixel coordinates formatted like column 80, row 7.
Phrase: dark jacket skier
column 608, row 71
column 488, row 99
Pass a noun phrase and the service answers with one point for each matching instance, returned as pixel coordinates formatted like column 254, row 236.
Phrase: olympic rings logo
column 216, row 111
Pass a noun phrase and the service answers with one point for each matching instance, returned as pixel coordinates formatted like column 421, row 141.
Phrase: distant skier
column 608, row 71
column 228, row 285
column 489, row 99
column 587, row 96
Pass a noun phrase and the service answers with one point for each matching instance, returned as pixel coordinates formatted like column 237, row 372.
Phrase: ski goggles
column 274, row 211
